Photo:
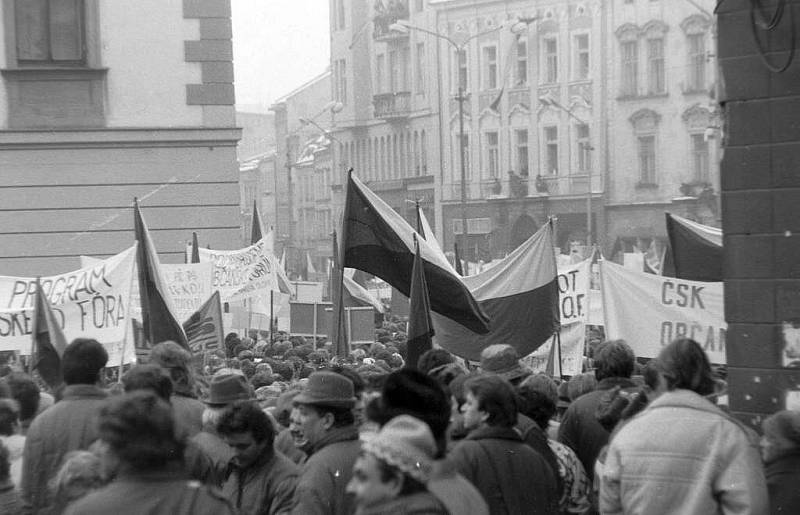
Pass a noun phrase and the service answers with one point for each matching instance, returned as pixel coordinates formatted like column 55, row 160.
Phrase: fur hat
column 784, row 424
column 405, row 443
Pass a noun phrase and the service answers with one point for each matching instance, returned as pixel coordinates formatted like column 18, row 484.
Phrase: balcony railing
column 392, row 105
column 524, row 187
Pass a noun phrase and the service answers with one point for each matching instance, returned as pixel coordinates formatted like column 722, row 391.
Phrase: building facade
column 101, row 102
column 665, row 128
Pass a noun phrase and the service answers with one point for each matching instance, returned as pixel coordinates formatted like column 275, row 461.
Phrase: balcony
column 391, row 106
column 385, row 16
column 525, row 187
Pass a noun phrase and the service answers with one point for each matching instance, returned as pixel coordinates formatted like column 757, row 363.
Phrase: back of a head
column 26, row 392
column 148, row 378
column 178, row 361
column 140, row 430
column 82, row 361
column 496, row 397
column 536, row 404
column 410, row 392
column 244, row 417
column 433, row 358
column 9, row 416
column 358, row 382
column 684, row 365
column 80, row 473
column 614, row 358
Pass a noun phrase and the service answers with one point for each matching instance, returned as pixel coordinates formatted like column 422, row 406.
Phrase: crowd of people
column 283, row 427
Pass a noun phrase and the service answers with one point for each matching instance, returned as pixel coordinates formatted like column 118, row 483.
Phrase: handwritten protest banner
column 92, row 302
column 649, row 311
column 189, row 285
column 573, row 288
column 572, row 338
column 244, row 273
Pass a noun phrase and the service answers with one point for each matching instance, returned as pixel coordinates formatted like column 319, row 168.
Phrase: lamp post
column 549, row 101
column 460, row 48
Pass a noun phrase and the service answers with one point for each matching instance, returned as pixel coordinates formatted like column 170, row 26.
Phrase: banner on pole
column 92, row 302
column 649, row 311
column 572, row 339
column 573, row 292
column 244, row 273
column 189, row 286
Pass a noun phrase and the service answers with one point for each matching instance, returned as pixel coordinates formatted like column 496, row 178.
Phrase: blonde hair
column 80, row 474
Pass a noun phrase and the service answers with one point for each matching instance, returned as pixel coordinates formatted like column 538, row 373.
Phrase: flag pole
column 127, row 326
column 558, row 348
column 34, row 330
column 342, row 244
column 271, row 315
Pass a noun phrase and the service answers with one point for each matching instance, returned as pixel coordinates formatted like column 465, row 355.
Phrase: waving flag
column 420, row 326
column 696, row 249
column 520, row 295
column 379, row 241
column 49, row 341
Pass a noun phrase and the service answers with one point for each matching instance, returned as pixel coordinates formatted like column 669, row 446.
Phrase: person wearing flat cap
column 224, row 390
column 393, row 469
column 780, row 448
column 325, row 409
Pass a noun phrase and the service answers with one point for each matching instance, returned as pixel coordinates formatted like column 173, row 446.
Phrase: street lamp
column 547, row 100
column 404, row 26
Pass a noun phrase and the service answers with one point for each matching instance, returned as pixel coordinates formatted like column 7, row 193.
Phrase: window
column 521, row 142
column 492, row 154
column 551, row 60
column 647, row 159
column 457, row 157
column 50, row 32
column 340, row 88
column 700, row 157
column 655, row 66
column 460, row 71
column 405, row 69
column 582, row 56
column 630, row 68
column 423, row 149
column 421, row 68
column 551, row 150
column 697, row 62
column 489, row 67
column 394, row 71
column 380, row 73
column 521, row 72
column 584, row 148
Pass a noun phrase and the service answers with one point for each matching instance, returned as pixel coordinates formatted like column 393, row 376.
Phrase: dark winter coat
column 783, row 483
column 512, row 477
column 266, row 487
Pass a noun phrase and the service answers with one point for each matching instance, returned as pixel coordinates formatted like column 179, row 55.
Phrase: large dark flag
column 158, row 317
column 195, row 250
column 696, row 249
column 377, row 240
column 204, row 328
column 356, row 295
column 255, row 230
column 420, row 326
column 520, row 295
column 49, row 341
column 338, row 330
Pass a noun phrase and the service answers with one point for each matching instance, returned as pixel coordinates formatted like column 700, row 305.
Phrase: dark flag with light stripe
column 695, row 249
column 49, row 341
column 420, row 327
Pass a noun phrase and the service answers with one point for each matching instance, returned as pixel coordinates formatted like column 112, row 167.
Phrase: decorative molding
column 655, row 28
column 644, row 120
column 628, row 32
column 143, row 137
column 695, row 24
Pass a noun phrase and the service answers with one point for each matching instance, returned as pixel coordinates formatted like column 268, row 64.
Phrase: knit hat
column 784, row 424
column 226, row 389
column 326, row 388
column 405, row 443
column 503, row 360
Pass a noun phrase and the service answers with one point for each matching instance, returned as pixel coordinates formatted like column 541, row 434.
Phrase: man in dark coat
column 261, row 480
column 67, row 426
column 780, row 448
column 139, row 432
column 325, row 408
column 512, row 477
column 579, row 429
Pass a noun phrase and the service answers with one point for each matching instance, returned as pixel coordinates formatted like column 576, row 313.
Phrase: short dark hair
column 140, row 430
column 342, row 417
column 433, row 358
column 148, row 377
column 178, row 361
column 684, row 364
column 244, row 417
column 26, row 392
column 614, row 358
column 536, row 405
column 496, row 397
column 358, row 382
column 82, row 361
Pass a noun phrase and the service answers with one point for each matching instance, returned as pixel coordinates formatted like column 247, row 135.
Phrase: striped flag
column 696, row 249
column 204, row 328
column 420, row 326
column 49, row 341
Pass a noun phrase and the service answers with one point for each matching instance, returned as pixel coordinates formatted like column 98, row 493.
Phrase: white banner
column 189, row 286
column 244, row 273
column 92, row 302
column 573, row 285
column 572, row 339
column 649, row 311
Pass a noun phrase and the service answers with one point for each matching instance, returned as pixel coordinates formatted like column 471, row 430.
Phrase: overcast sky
column 277, row 46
